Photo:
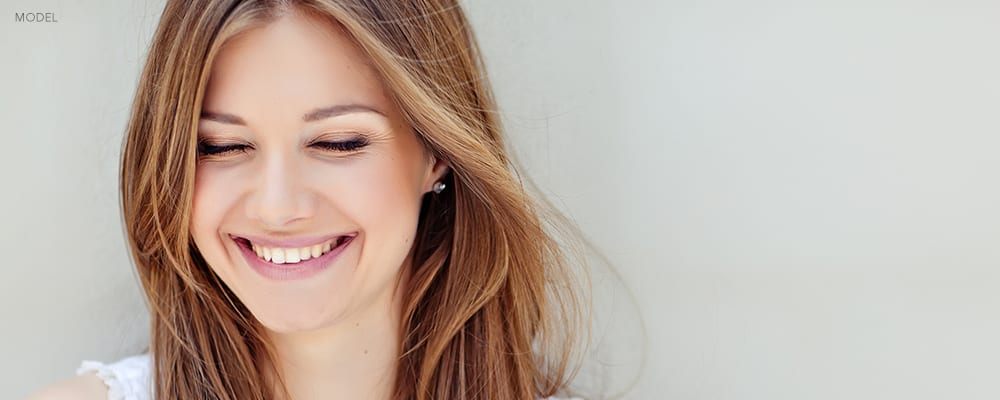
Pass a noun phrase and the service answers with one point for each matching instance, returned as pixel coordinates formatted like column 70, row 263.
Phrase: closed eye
column 345, row 146
column 207, row 149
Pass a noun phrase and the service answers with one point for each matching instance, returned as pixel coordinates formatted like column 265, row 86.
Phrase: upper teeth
column 279, row 255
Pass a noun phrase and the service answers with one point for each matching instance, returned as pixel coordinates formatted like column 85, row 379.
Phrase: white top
column 129, row 378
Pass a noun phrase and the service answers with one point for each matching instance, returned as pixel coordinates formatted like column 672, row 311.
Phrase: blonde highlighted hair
column 493, row 309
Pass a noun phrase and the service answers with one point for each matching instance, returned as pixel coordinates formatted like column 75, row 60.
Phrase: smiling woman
column 320, row 205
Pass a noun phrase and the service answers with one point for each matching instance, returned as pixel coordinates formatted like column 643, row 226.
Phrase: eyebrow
column 312, row 116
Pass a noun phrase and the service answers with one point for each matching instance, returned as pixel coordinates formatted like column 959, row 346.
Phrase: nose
column 279, row 197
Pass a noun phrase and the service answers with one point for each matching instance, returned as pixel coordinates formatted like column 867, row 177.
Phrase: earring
column 439, row 187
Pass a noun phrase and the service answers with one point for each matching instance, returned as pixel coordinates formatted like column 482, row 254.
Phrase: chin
column 284, row 324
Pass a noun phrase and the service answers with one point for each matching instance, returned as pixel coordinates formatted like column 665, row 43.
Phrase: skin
column 336, row 332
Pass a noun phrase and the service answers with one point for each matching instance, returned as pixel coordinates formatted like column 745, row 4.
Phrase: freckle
column 366, row 351
column 357, row 324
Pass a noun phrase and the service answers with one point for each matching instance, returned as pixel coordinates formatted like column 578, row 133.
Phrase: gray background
column 800, row 195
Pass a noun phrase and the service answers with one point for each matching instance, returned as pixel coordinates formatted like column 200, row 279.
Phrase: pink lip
column 294, row 242
column 286, row 272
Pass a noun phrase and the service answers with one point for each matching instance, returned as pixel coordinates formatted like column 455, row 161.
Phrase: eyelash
column 345, row 146
column 207, row 149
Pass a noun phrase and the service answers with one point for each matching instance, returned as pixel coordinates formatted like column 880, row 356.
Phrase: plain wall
column 68, row 292
column 801, row 195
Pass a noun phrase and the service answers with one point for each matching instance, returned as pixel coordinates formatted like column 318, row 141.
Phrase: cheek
column 385, row 201
column 208, row 208
column 389, row 197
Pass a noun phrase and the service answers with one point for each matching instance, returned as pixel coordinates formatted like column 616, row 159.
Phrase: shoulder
column 82, row 387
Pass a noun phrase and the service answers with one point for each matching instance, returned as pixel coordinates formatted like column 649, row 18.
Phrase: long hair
column 493, row 309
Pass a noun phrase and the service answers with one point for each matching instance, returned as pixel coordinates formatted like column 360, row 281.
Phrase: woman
column 320, row 205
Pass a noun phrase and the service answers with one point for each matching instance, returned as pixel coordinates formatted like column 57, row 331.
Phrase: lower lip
column 287, row 272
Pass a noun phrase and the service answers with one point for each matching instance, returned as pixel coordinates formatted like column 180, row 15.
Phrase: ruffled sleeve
column 126, row 379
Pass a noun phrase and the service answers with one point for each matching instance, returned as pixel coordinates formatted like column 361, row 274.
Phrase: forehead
column 290, row 65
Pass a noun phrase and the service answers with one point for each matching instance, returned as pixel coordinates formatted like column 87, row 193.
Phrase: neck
column 356, row 358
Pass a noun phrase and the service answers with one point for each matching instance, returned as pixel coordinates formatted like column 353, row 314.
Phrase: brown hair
column 492, row 310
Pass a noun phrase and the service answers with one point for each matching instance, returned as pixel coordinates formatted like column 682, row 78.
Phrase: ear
column 438, row 170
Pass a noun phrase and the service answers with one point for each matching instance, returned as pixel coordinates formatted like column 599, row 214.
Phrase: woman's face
column 304, row 158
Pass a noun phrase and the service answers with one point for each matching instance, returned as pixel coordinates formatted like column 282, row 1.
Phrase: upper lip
column 291, row 242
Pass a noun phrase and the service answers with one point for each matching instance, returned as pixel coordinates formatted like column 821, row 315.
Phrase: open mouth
column 293, row 255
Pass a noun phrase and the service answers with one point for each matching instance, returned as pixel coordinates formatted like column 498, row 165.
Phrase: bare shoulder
column 82, row 387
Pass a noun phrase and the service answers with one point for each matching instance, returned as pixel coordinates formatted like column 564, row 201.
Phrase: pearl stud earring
column 439, row 187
